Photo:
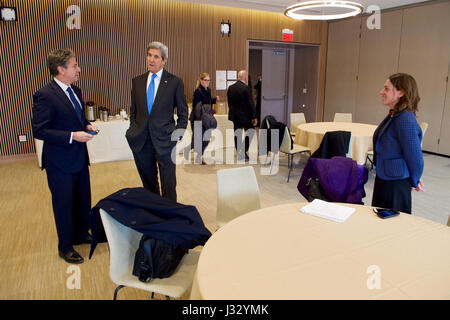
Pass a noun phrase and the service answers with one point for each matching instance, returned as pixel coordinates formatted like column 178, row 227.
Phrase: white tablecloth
column 223, row 124
column 109, row 144
column 281, row 253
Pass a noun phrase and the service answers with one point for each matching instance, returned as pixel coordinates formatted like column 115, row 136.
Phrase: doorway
column 289, row 78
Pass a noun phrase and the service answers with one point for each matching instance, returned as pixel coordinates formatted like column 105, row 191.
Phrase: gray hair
column 160, row 46
column 58, row 58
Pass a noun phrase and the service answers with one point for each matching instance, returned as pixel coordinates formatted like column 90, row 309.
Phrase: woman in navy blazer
column 397, row 146
column 202, row 94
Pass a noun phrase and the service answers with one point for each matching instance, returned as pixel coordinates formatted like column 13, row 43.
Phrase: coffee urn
column 90, row 105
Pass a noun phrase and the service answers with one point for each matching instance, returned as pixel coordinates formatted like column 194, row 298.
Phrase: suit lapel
column 162, row 87
column 143, row 97
column 63, row 98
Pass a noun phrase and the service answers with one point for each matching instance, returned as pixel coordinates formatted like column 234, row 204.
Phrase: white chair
column 342, row 117
column 424, row 127
column 296, row 119
column 369, row 157
column 285, row 147
column 123, row 243
column 237, row 193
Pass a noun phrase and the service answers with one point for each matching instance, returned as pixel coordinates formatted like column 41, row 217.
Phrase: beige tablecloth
column 282, row 253
column 311, row 134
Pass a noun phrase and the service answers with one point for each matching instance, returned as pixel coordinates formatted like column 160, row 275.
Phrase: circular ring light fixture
column 323, row 10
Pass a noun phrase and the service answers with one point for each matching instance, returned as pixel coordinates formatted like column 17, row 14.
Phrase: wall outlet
column 22, row 138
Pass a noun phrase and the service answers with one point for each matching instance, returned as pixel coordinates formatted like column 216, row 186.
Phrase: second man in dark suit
column 58, row 120
column 154, row 96
column 242, row 112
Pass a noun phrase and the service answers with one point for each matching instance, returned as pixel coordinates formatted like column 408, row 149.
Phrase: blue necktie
column 77, row 106
column 151, row 93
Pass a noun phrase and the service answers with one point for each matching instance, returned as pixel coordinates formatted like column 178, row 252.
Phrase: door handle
column 282, row 98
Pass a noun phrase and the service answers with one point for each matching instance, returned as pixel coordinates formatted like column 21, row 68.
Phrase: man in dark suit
column 242, row 112
column 154, row 96
column 58, row 120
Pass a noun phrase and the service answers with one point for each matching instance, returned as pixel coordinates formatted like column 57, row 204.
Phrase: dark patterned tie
column 76, row 105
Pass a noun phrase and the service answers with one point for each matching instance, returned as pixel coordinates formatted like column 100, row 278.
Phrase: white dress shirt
column 157, row 81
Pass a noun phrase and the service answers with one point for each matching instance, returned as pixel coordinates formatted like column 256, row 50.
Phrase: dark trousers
column 204, row 134
column 392, row 194
column 241, row 146
column 148, row 161
column 71, row 199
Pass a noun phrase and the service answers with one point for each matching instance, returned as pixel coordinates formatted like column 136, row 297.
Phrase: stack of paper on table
column 327, row 210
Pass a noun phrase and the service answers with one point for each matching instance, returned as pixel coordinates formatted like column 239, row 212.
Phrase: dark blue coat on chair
column 154, row 216
column 333, row 144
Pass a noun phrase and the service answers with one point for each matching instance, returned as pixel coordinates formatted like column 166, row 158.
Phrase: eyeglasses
column 207, row 80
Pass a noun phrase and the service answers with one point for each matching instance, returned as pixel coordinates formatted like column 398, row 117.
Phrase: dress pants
column 71, row 199
column 241, row 146
column 148, row 161
column 204, row 134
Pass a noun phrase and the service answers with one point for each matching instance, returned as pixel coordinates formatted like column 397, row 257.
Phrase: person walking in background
column 241, row 111
column 59, row 120
column 397, row 146
column 202, row 96
column 154, row 97
column 258, row 87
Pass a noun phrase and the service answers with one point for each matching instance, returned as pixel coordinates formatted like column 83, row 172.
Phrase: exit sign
column 288, row 35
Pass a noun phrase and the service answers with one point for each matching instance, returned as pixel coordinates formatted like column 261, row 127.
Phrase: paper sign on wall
column 221, row 80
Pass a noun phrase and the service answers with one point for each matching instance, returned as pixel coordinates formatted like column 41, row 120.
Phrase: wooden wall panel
column 378, row 59
column 342, row 67
column 425, row 54
column 110, row 48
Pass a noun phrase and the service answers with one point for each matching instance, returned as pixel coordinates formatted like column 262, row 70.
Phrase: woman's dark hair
column 410, row 99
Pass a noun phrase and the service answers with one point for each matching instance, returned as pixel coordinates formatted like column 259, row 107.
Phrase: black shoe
column 87, row 239
column 71, row 256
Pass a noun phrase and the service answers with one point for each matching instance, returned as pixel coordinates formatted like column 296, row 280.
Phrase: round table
column 311, row 135
column 282, row 253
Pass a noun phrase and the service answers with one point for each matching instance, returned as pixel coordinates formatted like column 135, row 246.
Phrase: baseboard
column 16, row 158
column 436, row 154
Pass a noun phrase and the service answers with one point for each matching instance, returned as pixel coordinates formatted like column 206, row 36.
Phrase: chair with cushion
column 342, row 117
column 296, row 119
column 291, row 150
column 123, row 243
column 237, row 193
